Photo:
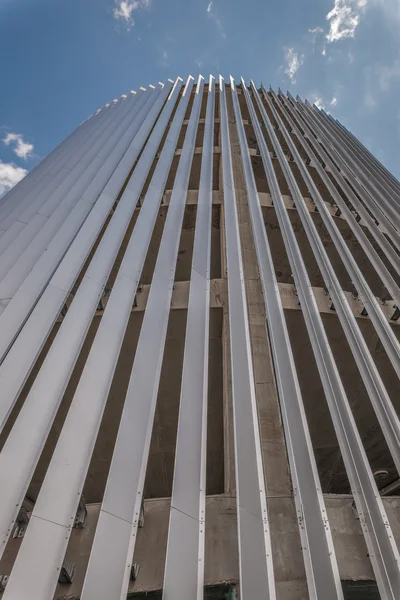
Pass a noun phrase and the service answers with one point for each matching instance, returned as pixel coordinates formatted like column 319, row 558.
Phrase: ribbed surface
column 77, row 237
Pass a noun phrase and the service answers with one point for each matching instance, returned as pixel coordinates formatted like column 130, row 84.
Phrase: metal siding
column 379, row 228
column 50, row 223
column 370, row 375
column 121, row 160
column 34, row 178
column 47, row 391
column 55, row 172
column 105, row 576
column 349, row 213
column 364, row 165
column 317, row 545
column 68, row 199
column 337, row 152
column 184, row 570
column 255, row 553
column 377, row 531
column 59, row 496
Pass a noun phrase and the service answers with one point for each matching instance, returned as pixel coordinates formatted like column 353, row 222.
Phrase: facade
column 200, row 359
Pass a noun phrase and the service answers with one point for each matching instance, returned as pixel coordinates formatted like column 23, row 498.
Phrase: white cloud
column 316, row 30
column 344, row 19
column 315, row 37
column 334, row 101
column 21, row 148
column 315, row 33
column 323, row 52
column 124, row 10
column 319, row 103
column 213, row 15
column 164, row 58
column 293, row 63
column 10, row 175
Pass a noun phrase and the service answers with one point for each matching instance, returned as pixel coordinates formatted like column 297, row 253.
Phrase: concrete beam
column 290, row 301
column 198, row 150
column 265, row 200
column 287, row 291
column 201, row 121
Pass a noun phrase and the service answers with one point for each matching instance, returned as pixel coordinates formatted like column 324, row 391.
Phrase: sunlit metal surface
column 75, row 236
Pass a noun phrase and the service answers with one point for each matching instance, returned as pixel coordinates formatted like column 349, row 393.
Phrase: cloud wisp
column 293, row 63
column 322, row 104
column 10, row 175
column 21, row 148
column 164, row 59
column 344, row 19
column 124, row 9
column 213, row 15
column 315, row 33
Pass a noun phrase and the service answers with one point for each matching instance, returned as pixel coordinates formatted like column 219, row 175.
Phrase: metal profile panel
column 375, row 312
column 372, row 159
column 41, row 211
column 21, row 239
column 6, row 237
column 376, row 390
column 50, row 180
column 46, row 393
column 56, row 289
column 21, row 358
column 317, row 545
column 379, row 216
column 184, row 569
column 376, row 202
column 379, row 537
column 58, row 500
column 37, row 172
column 351, row 217
column 50, row 183
column 360, row 149
column 34, row 174
column 33, row 178
column 363, row 161
column 109, row 565
column 256, row 570
column 57, row 222
column 379, row 194
column 49, row 168
column 66, row 222
column 121, row 160
column 105, row 143
column 101, row 147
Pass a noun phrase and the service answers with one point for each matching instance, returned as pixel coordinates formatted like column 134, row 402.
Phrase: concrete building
column 199, row 379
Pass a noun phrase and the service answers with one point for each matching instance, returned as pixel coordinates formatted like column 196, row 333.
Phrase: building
column 199, row 295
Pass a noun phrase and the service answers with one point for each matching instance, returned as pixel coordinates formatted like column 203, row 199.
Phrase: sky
column 60, row 60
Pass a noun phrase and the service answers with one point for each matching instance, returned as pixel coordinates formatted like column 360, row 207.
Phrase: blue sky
column 60, row 60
